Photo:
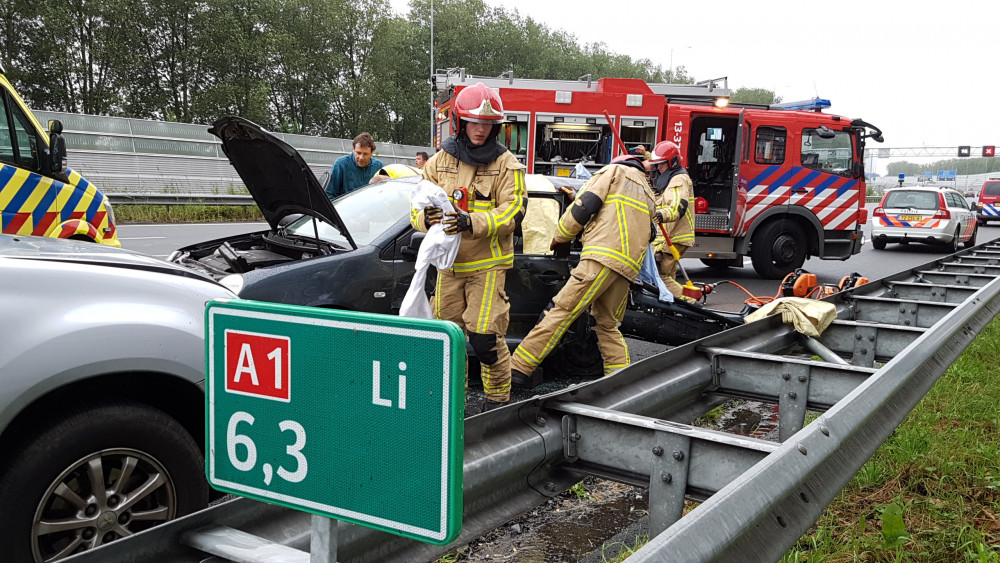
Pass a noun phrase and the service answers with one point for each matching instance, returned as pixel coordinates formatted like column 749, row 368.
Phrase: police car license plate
column 910, row 217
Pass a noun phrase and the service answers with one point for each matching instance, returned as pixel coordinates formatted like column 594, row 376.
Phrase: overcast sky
column 925, row 73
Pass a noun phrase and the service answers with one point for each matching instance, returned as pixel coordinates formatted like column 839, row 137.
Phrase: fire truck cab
column 776, row 183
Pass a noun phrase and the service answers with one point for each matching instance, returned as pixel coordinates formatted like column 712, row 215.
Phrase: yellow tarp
column 808, row 316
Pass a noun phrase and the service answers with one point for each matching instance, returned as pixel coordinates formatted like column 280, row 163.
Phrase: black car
column 358, row 252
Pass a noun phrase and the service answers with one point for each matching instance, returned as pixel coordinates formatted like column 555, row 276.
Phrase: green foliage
column 186, row 213
column 962, row 165
column 893, row 530
column 934, row 485
column 579, row 491
column 316, row 67
column 622, row 550
column 758, row 96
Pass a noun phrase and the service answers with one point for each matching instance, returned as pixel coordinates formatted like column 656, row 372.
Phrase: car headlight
column 111, row 211
column 233, row 282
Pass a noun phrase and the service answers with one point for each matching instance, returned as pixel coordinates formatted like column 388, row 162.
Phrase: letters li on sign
column 341, row 414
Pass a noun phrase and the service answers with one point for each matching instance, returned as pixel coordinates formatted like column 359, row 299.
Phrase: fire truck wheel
column 95, row 475
column 777, row 249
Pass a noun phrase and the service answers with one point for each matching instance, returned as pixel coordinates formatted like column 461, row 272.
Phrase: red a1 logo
column 258, row 365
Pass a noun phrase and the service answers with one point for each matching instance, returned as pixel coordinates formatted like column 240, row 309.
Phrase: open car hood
column 278, row 178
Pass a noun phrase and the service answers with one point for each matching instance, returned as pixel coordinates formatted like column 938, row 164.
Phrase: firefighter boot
column 489, row 405
column 525, row 381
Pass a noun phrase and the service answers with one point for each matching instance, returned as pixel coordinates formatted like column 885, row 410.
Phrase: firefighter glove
column 456, row 222
column 658, row 218
column 559, row 249
column 682, row 207
column 567, row 191
column 432, row 215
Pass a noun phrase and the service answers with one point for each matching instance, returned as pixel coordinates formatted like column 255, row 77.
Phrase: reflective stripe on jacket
column 667, row 203
column 497, row 198
column 617, row 235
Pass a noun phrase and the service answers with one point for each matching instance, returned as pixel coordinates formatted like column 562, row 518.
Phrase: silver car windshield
column 368, row 212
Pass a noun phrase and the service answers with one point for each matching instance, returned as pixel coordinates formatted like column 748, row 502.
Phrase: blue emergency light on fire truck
column 775, row 183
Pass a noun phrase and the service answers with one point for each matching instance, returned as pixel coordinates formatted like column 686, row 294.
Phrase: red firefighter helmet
column 629, row 160
column 479, row 103
column 666, row 151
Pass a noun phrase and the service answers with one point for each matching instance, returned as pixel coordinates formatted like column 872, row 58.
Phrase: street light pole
column 670, row 79
column 433, row 113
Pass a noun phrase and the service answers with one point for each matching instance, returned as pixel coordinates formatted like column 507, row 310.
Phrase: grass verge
column 187, row 213
column 932, row 491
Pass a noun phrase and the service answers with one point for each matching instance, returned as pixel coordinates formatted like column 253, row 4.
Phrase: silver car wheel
column 102, row 497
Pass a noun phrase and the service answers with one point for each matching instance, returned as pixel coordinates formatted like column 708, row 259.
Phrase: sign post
column 352, row 416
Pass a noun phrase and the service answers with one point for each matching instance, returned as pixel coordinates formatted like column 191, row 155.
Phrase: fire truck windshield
column 833, row 155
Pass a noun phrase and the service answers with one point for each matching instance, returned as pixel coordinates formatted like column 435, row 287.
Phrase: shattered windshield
column 368, row 212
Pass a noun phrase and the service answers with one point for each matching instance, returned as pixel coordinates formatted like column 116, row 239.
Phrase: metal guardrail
column 759, row 496
column 180, row 199
column 122, row 154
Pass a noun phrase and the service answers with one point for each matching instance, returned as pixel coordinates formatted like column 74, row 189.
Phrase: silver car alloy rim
column 101, row 497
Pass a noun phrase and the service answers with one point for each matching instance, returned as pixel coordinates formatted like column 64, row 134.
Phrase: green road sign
column 355, row 416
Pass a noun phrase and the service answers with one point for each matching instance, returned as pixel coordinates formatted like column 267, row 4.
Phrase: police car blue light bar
column 814, row 104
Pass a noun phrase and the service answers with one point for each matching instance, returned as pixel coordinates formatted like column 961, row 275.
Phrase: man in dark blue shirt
column 352, row 171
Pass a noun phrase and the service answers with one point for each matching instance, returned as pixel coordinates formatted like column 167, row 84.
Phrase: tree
column 758, row 96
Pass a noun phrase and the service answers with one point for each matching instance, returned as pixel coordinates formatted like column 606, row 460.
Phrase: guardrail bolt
column 786, row 376
column 540, row 421
column 781, row 521
column 678, row 455
column 857, row 337
column 864, row 351
column 720, row 371
column 666, row 477
column 792, row 394
column 803, row 449
column 802, row 379
column 824, row 430
column 871, row 337
column 550, row 486
column 657, row 450
column 575, row 437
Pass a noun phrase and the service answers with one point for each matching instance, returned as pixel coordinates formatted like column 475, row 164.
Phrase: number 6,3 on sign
column 321, row 411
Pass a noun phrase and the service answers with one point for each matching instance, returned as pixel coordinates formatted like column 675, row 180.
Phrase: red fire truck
column 777, row 183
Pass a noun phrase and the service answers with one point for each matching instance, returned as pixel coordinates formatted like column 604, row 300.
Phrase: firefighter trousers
column 667, row 266
column 590, row 285
column 478, row 304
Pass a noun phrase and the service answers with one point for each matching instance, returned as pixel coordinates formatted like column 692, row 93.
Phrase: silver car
column 928, row 215
column 101, row 394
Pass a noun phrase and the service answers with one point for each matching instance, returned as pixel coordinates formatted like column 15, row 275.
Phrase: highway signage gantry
column 352, row 416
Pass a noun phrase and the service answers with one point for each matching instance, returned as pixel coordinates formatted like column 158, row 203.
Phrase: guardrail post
column 323, row 540
column 864, row 346
column 794, row 390
column 668, row 478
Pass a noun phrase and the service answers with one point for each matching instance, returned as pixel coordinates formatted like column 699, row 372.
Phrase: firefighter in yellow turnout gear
column 614, row 210
column 674, row 194
column 472, row 294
